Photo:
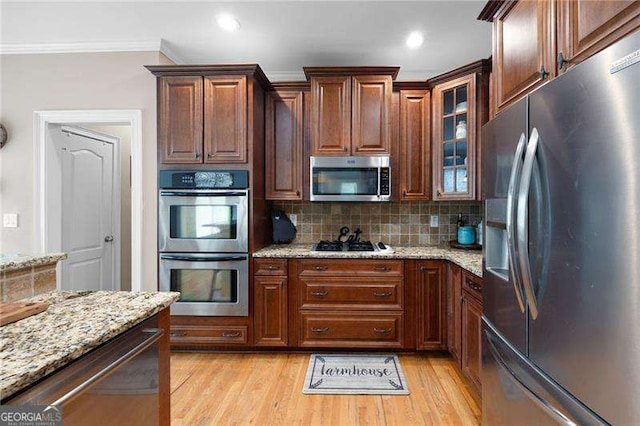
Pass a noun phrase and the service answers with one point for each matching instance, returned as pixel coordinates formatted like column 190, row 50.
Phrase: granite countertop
column 469, row 260
column 13, row 261
column 74, row 324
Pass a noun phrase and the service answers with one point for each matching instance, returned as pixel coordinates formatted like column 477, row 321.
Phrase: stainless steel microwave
column 350, row 178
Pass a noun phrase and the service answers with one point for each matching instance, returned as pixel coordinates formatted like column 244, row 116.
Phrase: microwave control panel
column 385, row 183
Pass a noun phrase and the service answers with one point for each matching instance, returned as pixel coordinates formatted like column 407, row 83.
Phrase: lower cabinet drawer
column 353, row 293
column 208, row 334
column 351, row 329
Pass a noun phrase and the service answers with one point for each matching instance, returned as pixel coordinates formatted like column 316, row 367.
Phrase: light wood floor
column 266, row 389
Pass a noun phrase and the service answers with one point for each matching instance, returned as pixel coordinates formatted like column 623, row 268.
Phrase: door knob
column 108, row 238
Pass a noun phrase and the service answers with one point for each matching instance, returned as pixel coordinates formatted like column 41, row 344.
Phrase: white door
column 87, row 210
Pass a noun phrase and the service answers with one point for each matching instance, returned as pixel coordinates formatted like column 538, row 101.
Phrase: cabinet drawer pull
column 230, row 335
column 319, row 329
column 384, row 294
column 197, row 155
column 177, row 334
column 272, row 268
column 209, row 155
column 423, row 268
column 382, row 330
column 319, row 268
column 474, row 286
column 319, row 293
column 382, row 268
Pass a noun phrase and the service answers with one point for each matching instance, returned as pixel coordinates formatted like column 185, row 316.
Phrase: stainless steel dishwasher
column 114, row 384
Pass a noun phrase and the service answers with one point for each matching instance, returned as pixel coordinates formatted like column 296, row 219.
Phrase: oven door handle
column 202, row 259
column 203, row 194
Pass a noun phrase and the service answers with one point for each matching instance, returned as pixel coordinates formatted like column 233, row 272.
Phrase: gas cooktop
column 366, row 246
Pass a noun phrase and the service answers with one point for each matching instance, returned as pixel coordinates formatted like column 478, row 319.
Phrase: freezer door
column 586, row 334
column 514, row 392
column 504, row 140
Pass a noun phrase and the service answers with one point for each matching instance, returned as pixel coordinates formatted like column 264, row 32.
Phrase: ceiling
column 282, row 36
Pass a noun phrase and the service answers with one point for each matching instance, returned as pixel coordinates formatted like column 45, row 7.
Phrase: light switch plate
column 10, row 220
column 294, row 219
column 434, row 221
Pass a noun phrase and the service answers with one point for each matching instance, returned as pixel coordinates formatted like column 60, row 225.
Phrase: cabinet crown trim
column 252, row 70
column 490, row 9
column 324, row 71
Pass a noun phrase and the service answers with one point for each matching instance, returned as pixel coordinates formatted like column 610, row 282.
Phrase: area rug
column 357, row 374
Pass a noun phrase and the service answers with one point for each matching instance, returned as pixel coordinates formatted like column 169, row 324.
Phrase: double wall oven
column 203, row 241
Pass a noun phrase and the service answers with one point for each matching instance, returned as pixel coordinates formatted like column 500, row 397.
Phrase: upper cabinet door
column 284, row 141
column 523, row 50
column 585, row 27
column 371, row 114
column 225, row 119
column 180, row 117
column 415, row 145
column 454, row 139
column 330, row 115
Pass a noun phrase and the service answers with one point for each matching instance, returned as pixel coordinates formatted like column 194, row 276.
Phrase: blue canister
column 466, row 235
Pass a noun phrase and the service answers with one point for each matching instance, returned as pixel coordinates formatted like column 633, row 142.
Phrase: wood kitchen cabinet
column 471, row 355
column 460, row 108
column 586, row 27
column 208, row 113
column 270, row 302
column 284, row 139
column 431, row 305
column 454, row 312
column 535, row 40
column 180, row 119
column 346, row 303
column 351, row 110
column 415, row 144
column 225, row 119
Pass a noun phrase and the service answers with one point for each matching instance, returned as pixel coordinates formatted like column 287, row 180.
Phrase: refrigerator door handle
column 521, row 224
column 514, row 181
column 544, row 405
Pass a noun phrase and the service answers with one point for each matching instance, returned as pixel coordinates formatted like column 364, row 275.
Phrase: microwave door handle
column 203, row 194
column 203, row 259
column 514, row 181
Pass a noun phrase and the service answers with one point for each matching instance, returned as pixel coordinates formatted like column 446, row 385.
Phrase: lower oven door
column 209, row 284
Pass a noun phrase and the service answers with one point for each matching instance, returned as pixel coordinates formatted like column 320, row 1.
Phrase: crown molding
column 156, row 45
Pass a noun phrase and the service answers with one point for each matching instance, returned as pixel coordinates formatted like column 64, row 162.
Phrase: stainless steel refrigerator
column 561, row 293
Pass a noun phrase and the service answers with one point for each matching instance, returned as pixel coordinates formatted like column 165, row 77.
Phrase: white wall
column 73, row 81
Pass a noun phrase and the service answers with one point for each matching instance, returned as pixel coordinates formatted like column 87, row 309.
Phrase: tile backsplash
column 392, row 223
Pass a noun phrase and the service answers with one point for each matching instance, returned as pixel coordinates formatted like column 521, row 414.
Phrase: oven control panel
column 209, row 179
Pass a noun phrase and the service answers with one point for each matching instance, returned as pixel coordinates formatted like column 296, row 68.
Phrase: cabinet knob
column 422, row 268
column 209, row 155
column 298, row 193
column 439, row 192
column 197, row 154
column 543, row 73
column 272, row 268
column 561, row 60
column 344, row 149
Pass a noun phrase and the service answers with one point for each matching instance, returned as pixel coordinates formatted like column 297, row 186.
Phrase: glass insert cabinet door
column 454, row 149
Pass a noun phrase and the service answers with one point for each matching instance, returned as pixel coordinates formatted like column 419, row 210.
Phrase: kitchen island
column 36, row 350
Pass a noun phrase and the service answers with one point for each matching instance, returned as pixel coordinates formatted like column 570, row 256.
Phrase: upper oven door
column 349, row 179
column 203, row 221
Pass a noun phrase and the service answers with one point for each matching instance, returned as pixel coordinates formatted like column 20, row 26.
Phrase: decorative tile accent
column 28, row 281
column 393, row 223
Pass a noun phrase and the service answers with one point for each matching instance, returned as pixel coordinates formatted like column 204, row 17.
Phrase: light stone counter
column 74, row 324
column 13, row 261
column 469, row 260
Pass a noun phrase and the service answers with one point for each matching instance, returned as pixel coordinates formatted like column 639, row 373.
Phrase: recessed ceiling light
column 415, row 40
column 228, row 22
